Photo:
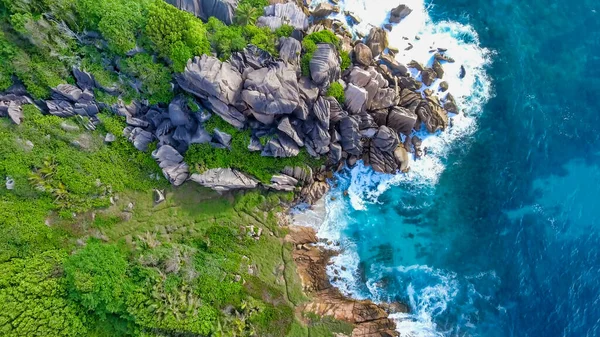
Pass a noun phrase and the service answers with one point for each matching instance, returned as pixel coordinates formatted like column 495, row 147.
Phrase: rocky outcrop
column 171, row 162
column 399, row 13
column 290, row 50
column 272, row 91
column 224, row 179
column 324, row 9
column 377, row 40
column 283, row 13
column 368, row 319
column 325, row 65
column 363, row 54
column 223, row 10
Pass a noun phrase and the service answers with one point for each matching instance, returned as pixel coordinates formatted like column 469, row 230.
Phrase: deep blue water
column 507, row 242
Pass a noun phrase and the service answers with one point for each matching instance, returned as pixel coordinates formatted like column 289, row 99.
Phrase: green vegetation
column 202, row 157
column 336, row 90
column 309, row 45
column 83, row 249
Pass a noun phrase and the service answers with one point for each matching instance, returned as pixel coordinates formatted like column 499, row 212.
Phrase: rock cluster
column 253, row 90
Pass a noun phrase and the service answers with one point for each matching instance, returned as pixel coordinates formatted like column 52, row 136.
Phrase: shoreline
column 369, row 319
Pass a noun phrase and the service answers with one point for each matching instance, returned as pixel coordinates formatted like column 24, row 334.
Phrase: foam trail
column 429, row 291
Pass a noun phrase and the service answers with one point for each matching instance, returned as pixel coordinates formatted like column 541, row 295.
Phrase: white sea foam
column 364, row 186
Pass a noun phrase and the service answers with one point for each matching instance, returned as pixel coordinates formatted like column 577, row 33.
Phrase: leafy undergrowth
column 202, row 157
column 57, row 165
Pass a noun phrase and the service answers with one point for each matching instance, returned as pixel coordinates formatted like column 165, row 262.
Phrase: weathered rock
column 171, row 162
column 363, row 54
column 350, row 135
column 251, row 57
column 409, row 83
column 84, row 79
column 222, row 137
column 223, row 10
column 303, row 174
column 336, row 113
column 432, row 115
column 314, row 192
column 385, row 139
column 428, row 76
column 286, row 127
column 324, row 65
column 67, row 92
column 13, row 110
column 278, row 14
column 109, row 138
column 408, row 97
column 282, row 182
column 281, row 147
column 139, row 137
column 450, row 104
column 416, row 65
column 356, row 99
column 224, row 179
column 442, row 57
column 9, row 183
column 322, row 111
column 443, row 86
column 439, row 70
column 399, row 13
column 272, row 91
column 60, row 108
column 335, row 153
column 402, row 159
column 200, row 136
column 207, row 76
column 396, row 68
column 377, row 41
column 324, row 9
column 367, row 125
column 384, row 98
column 178, row 111
column 230, row 114
column 290, row 50
column 255, row 145
column 308, row 91
column 401, row 120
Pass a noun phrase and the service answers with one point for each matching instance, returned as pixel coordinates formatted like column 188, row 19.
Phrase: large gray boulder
column 251, row 57
column 399, row 13
column 172, row 164
column 290, row 50
column 282, row 182
column 385, row 139
column 230, row 114
column 401, row 120
column 139, row 137
column 325, row 65
column 60, row 108
column 363, row 54
column 223, row 10
column 377, row 40
column 308, row 91
column 350, row 135
column 178, row 111
column 286, row 127
column 281, row 147
column 272, row 91
column 224, row 180
column 356, row 98
column 278, row 14
column 207, row 76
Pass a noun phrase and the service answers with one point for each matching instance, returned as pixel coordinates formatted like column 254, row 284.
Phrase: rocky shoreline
column 286, row 110
column 369, row 319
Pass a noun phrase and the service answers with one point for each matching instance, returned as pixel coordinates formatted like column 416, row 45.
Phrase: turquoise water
column 505, row 241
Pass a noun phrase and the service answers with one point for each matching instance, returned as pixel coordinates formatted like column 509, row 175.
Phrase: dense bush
column 336, row 90
column 155, row 77
column 225, row 39
column 177, row 35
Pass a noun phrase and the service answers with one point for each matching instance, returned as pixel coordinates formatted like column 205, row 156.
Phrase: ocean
column 496, row 232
